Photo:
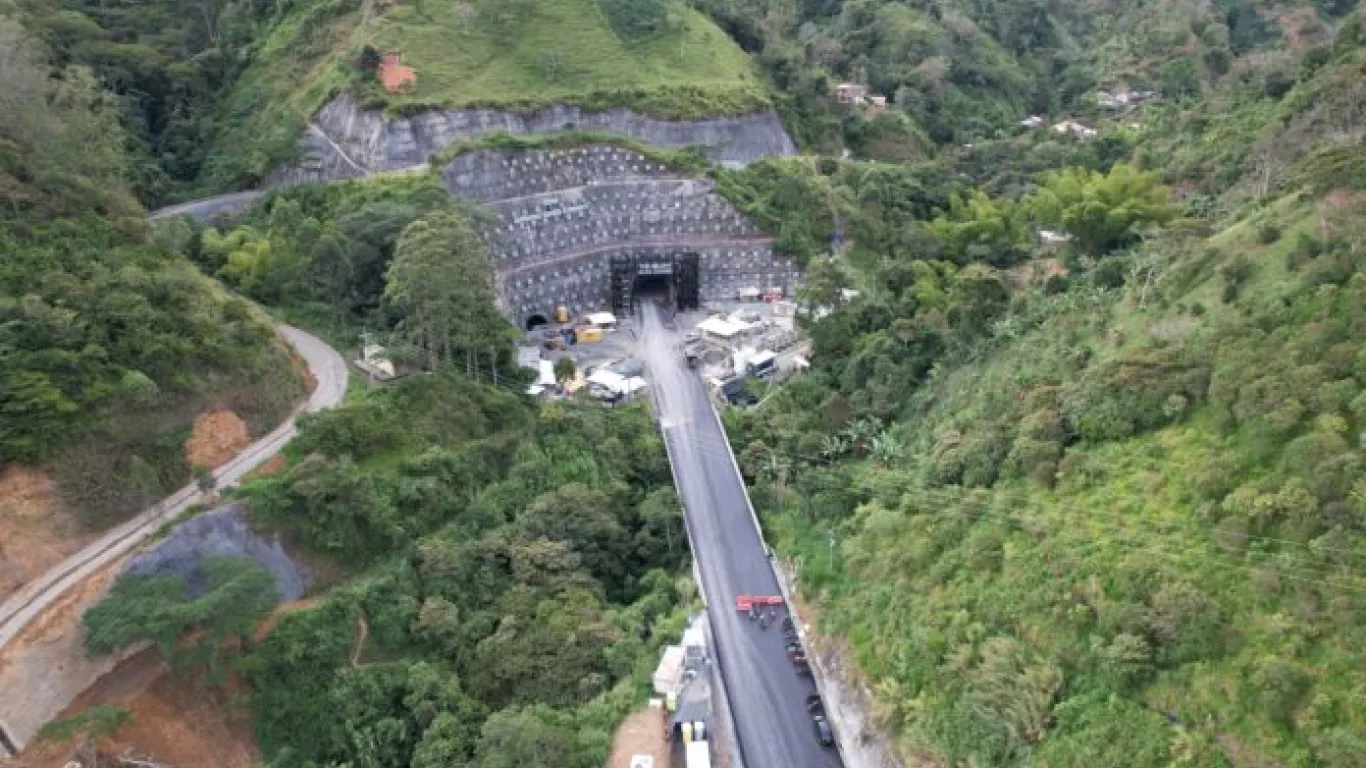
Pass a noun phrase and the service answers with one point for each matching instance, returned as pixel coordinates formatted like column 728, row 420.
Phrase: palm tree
column 860, row 432
column 886, row 449
column 833, row 447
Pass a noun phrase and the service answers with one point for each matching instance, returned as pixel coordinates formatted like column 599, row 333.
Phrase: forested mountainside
column 217, row 93
column 958, row 71
column 504, row 572
column 111, row 342
column 511, row 577
column 1077, row 476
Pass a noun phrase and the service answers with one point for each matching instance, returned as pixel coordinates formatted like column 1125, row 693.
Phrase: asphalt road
column 766, row 694
column 329, row 369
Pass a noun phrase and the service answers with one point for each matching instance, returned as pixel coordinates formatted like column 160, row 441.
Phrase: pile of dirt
column 640, row 734
column 170, row 720
column 216, row 438
column 36, row 532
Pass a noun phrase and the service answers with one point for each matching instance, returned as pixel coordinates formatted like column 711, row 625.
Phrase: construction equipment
column 745, row 602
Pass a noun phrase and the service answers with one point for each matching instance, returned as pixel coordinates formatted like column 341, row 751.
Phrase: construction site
column 737, row 346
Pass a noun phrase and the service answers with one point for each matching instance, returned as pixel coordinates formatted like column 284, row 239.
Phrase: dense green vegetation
column 237, row 594
column 395, row 258
column 214, row 96
column 110, row 341
column 1098, row 495
column 1098, row 501
column 515, row 575
column 967, row 71
column 509, row 573
column 508, row 55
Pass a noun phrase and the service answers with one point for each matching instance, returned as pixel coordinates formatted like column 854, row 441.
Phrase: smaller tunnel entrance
column 536, row 321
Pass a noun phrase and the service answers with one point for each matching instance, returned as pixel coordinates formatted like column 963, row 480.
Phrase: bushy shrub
column 1235, row 273
column 1109, row 273
column 636, row 19
column 1120, row 398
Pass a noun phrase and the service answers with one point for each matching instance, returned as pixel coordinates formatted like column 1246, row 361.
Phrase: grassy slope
column 1056, row 569
column 308, row 57
column 483, row 64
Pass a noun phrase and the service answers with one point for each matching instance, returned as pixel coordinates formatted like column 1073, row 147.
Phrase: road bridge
column 766, row 694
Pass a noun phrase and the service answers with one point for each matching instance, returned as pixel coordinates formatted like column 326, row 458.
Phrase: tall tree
column 441, row 285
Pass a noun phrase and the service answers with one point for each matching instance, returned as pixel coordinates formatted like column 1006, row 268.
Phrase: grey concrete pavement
column 330, row 372
column 766, row 694
column 206, row 208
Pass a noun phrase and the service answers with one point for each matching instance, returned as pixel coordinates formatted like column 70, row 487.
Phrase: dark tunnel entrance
column 655, row 287
column 669, row 278
column 536, row 321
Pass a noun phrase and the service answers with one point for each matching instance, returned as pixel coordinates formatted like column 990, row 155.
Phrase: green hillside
column 558, row 51
column 111, row 342
column 1095, row 503
column 965, row 71
column 514, row 56
column 214, row 99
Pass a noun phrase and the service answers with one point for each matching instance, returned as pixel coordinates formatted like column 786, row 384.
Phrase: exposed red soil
column 36, row 532
column 217, row 437
column 640, row 734
column 170, row 720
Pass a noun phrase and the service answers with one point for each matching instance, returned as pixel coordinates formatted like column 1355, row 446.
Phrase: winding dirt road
column 21, row 608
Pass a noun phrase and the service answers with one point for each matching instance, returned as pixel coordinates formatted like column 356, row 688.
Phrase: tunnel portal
column 672, row 277
column 590, row 228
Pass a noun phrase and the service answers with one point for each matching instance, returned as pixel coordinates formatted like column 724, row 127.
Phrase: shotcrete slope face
column 345, row 141
column 559, row 216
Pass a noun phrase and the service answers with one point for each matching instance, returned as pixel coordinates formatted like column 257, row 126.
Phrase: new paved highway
column 767, row 696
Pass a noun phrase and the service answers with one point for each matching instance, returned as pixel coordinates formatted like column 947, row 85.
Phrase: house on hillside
column 1124, row 99
column 374, row 360
column 850, row 93
column 856, row 95
column 1033, row 121
column 1074, row 128
column 395, row 75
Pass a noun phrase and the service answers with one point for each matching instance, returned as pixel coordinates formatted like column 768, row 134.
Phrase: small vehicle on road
column 824, row 734
column 814, row 705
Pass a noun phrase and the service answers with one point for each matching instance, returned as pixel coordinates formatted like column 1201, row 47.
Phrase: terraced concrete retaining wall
column 559, row 216
column 346, row 141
